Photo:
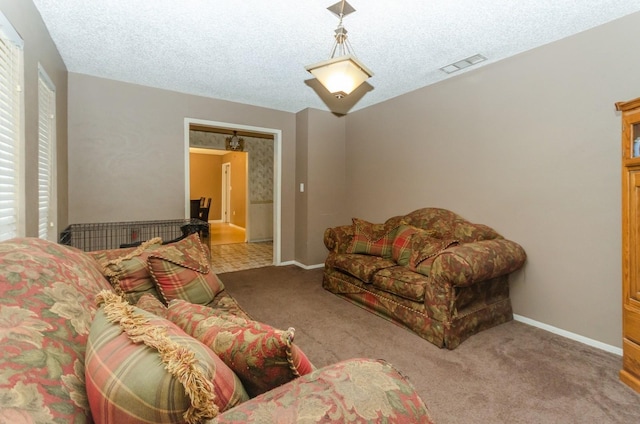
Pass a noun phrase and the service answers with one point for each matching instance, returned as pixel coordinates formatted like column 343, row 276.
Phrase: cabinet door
column 632, row 292
column 631, row 274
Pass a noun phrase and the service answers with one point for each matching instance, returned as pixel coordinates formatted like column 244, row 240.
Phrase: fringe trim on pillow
column 114, row 276
column 178, row 360
column 288, row 336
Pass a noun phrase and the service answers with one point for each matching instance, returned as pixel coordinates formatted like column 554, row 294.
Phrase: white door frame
column 226, row 192
column 277, row 175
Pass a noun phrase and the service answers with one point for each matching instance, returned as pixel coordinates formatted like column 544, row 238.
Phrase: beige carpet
column 513, row 373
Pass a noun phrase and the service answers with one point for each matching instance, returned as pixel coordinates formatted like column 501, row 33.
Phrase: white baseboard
column 260, row 240
column 569, row 335
column 301, row 265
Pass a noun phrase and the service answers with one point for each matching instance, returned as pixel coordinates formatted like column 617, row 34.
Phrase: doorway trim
column 277, row 174
column 226, row 204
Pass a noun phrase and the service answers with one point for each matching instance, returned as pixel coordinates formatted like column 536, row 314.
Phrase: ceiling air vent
column 464, row 63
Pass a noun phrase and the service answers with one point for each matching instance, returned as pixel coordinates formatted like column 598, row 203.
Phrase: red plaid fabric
column 132, row 274
column 127, row 382
column 401, row 246
column 373, row 239
column 181, row 271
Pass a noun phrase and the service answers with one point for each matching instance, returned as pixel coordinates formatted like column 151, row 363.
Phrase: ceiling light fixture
column 234, row 142
column 343, row 73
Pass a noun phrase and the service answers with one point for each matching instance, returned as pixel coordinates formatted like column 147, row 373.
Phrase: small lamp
column 342, row 74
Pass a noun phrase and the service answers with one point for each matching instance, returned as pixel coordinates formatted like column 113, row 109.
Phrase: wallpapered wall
column 260, row 161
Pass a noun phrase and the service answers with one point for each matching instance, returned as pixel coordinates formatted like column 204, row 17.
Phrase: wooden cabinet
column 630, row 373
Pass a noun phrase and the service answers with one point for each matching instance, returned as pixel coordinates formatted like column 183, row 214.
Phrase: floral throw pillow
column 262, row 356
column 374, row 239
column 425, row 247
column 153, row 305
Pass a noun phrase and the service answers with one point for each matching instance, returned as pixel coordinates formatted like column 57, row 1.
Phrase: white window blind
column 46, row 157
column 11, row 140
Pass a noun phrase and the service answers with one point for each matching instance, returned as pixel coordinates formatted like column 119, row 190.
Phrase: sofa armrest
column 336, row 393
column 338, row 239
column 469, row 263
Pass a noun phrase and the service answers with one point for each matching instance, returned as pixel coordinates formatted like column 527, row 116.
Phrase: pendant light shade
column 340, row 75
column 342, row 72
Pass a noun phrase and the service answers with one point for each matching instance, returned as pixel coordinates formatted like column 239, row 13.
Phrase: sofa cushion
column 46, row 309
column 128, row 271
column 363, row 267
column 401, row 281
column 262, row 356
column 374, row 239
column 181, row 270
column 141, row 368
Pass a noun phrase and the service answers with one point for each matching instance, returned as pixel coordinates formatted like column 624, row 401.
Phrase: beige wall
column 127, row 150
column 321, row 167
column 39, row 49
column 530, row 146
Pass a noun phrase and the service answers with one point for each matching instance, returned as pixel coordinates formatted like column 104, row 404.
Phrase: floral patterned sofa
column 430, row 271
column 149, row 335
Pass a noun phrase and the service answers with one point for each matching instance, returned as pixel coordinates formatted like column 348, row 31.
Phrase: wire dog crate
column 112, row 235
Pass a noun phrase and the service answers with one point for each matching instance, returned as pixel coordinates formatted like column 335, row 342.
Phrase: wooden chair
column 195, row 208
column 204, row 210
column 203, row 215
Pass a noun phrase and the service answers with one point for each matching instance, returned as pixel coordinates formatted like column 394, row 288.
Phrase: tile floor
column 230, row 253
column 239, row 256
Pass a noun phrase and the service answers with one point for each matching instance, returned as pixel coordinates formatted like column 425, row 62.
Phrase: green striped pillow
column 140, row 368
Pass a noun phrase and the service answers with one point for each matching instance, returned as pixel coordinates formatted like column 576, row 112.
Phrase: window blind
column 10, row 130
column 46, row 157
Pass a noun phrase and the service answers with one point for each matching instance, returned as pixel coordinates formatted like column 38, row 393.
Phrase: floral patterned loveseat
column 86, row 337
column 430, row 271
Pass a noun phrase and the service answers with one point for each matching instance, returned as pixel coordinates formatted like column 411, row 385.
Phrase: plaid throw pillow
column 127, row 269
column 181, row 270
column 140, row 368
column 374, row 239
column 401, row 247
column 262, row 356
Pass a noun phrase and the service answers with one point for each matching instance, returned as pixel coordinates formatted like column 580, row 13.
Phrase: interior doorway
column 256, row 208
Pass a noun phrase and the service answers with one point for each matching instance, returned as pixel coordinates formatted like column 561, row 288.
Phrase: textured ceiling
column 255, row 51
